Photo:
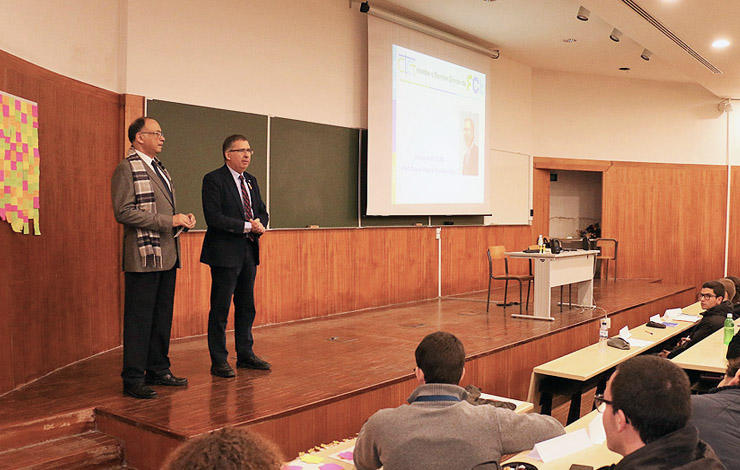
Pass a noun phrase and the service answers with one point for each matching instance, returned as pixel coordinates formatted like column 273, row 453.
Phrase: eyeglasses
column 241, row 151
column 705, row 296
column 157, row 133
column 601, row 402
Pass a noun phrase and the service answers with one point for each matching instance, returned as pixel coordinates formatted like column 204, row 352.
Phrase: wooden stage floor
column 317, row 363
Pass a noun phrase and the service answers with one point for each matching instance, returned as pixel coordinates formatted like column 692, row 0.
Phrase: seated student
column 735, row 300
column 646, row 408
column 715, row 308
column 226, row 449
column 438, row 429
column 717, row 413
column 729, row 288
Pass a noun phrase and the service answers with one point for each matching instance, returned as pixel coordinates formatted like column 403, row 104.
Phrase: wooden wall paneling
column 63, row 285
column 314, row 273
column 733, row 257
column 669, row 220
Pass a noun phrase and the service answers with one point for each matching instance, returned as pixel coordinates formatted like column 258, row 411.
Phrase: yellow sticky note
column 308, row 458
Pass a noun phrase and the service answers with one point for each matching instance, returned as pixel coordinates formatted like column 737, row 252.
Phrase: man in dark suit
column 144, row 203
column 236, row 218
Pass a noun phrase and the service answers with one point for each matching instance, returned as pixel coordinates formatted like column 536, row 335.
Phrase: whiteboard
column 510, row 186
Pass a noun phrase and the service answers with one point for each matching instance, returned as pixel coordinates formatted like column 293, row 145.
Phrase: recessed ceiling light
column 624, row 69
column 721, row 43
column 569, row 40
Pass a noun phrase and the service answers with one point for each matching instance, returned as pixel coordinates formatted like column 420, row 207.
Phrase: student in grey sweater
column 438, row 429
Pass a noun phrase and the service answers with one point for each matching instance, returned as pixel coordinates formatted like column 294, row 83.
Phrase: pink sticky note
column 18, row 137
column 7, row 189
column 18, row 156
column 330, row 466
column 34, row 110
column 35, row 124
column 2, row 175
column 25, row 147
column 36, row 152
column 36, row 203
column 7, row 154
column 13, row 166
column 24, row 118
column 25, row 185
column 18, row 105
column 348, row 455
column 6, row 110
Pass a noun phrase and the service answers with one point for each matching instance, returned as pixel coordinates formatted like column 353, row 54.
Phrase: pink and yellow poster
column 19, row 163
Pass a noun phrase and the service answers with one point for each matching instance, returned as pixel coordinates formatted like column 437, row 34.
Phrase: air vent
column 670, row 35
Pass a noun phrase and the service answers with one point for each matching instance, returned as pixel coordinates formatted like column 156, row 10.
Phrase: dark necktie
column 245, row 199
column 157, row 165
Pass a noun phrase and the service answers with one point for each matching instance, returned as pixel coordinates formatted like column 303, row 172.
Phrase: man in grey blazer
column 144, row 203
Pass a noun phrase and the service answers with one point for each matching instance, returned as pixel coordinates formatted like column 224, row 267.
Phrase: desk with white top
column 597, row 455
column 581, row 369
column 708, row 355
column 550, row 270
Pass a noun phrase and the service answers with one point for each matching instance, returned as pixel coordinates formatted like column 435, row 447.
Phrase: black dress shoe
column 166, row 379
column 222, row 370
column 139, row 390
column 253, row 362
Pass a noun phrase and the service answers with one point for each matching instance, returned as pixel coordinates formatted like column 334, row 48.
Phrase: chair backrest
column 608, row 246
column 494, row 253
column 497, row 252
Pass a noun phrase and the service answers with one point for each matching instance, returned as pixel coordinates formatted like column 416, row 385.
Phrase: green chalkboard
column 314, row 168
column 192, row 148
column 313, row 174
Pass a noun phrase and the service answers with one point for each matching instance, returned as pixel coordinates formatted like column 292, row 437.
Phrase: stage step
column 34, row 431
column 92, row 449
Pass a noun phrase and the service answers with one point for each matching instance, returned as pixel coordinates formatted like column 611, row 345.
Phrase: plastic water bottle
column 729, row 329
column 603, row 334
column 540, row 244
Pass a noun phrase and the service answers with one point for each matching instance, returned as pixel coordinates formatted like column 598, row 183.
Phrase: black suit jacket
column 225, row 242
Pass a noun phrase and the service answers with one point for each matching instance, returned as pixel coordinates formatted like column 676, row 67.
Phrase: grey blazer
column 126, row 213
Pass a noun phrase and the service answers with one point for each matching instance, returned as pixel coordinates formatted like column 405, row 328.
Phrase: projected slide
column 438, row 128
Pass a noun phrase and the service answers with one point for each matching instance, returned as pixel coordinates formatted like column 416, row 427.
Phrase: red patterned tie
column 245, row 199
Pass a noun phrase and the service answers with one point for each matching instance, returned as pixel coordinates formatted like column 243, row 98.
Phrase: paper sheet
column 638, row 343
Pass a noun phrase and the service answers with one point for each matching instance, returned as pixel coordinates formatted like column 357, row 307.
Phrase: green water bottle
column 729, row 329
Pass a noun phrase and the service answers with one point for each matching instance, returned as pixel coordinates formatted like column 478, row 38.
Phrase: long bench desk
column 597, row 455
column 587, row 367
column 708, row 355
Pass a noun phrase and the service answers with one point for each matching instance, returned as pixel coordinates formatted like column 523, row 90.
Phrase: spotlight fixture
column 646, row 54
column 616, row 35
column 364, row 7
column 583, row 14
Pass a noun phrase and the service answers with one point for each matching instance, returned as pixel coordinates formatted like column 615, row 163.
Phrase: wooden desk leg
column 546, row 403
column 574, row 412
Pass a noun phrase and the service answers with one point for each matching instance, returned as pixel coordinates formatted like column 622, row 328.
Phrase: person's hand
column 684, row 341
column 182, row 220
column 664, row 353
column 191, row 218
column 257, row 227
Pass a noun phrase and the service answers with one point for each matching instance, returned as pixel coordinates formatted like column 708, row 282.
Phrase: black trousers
column 147, row 321
column 239, row 283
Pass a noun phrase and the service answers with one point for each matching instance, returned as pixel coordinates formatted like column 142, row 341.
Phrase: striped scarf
column 147, row 240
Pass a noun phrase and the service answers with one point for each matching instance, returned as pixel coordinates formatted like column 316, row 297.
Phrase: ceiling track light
column 583, row 14
column 616, row 35
column 646, row 54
